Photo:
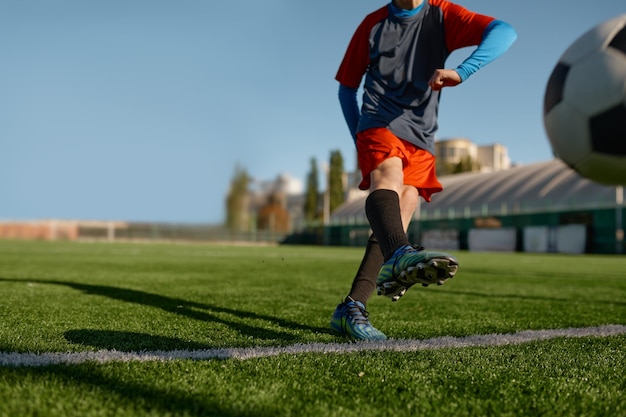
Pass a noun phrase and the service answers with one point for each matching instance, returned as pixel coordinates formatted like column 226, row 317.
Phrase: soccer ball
column 584, row 111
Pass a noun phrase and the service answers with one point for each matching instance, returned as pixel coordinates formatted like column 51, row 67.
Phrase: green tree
column 466, row 164
column 336, row 186
column 311, row 202
column 237, row 201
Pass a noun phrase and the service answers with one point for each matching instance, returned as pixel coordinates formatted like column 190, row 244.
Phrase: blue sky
column 140, row 110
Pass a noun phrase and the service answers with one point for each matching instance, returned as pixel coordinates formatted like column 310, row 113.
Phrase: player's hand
column 444, row 78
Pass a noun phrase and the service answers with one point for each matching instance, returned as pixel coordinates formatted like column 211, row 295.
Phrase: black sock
column 382, row 208
column 364, row 282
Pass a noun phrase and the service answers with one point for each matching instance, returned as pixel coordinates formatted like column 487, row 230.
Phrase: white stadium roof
column 538, row 187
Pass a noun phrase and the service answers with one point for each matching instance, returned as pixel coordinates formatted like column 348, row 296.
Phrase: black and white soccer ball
column 584, row 110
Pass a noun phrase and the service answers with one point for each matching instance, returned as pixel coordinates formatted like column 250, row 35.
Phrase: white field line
column 103, row 356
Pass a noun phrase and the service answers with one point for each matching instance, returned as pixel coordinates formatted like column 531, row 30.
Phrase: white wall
column 571, row 238
column 492, row 240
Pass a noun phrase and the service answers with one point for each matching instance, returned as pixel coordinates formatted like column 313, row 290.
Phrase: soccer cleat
column 350, row 318
column 410, row 265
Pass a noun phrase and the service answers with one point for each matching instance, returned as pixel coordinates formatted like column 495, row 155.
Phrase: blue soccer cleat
column 410, row 265
column 350, row 318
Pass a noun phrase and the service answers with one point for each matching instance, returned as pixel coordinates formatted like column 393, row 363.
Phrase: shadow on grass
column 146, row 395
column 190, row 309
column 123, row 390
column 129, row 341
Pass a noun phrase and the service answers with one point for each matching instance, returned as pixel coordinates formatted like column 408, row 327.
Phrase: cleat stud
column 424, row 285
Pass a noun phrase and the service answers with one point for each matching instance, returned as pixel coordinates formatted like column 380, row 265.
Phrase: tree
column 273, row 216
column 335, row 181
column 466, row 164
column 237, row 202
column 311, row 202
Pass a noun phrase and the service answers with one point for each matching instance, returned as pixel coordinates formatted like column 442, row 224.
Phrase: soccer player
column 401, row 51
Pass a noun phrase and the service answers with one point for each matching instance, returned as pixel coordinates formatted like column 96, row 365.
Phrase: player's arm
column 353, row 67
column 349, row 76
column 497, row 39
column 349, row 107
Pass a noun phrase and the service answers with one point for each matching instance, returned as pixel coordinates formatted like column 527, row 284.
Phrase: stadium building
column 541, row 207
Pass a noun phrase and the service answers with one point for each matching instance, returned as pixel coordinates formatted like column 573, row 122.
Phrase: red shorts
column 418, row 166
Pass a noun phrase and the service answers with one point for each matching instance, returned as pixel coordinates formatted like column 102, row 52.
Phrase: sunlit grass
column 71, row 297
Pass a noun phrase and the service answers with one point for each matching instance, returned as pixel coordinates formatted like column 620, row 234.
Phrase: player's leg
column 350, row 316
column 409, row 197
column 409, row 264
column 364, row 283
column 382, row 206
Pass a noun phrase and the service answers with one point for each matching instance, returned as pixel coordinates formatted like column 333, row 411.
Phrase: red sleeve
column 357, row 56
column 463, row 27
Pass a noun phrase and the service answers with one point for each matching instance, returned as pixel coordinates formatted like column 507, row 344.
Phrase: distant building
column 540, row 207
column 490, row 158
column 493, row 158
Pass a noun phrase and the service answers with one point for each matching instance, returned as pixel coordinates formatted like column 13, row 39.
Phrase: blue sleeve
column 497, row 39
column 350, row 108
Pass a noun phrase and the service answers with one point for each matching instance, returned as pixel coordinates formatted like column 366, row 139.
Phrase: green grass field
column 87, row 297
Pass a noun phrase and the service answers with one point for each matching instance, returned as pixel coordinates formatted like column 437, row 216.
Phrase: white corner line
column 13, row 359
